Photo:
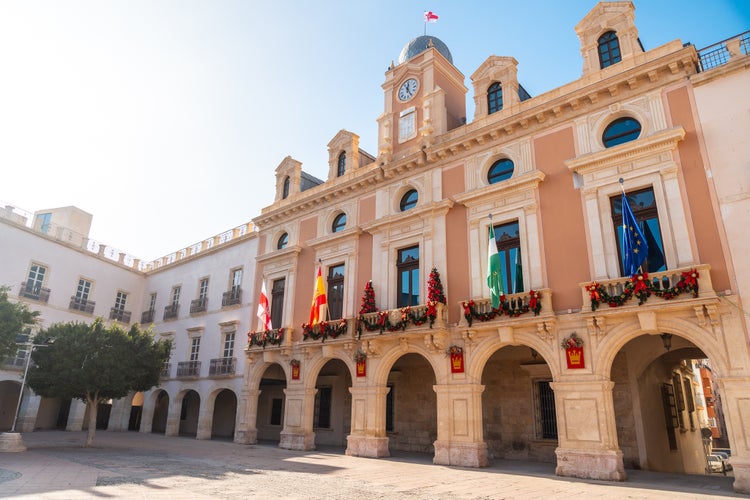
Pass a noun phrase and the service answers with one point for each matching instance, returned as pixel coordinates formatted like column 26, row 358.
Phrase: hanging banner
column 574, row 356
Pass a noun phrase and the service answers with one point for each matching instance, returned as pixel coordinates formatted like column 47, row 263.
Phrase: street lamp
column 12, row 441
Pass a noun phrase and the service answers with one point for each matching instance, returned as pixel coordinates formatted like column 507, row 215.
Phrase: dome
column 422, row 43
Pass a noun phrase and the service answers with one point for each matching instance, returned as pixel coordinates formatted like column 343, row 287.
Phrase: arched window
column 409, row 200
column 283, row 241
column 342, row 164
column 500, row 170
column 622, row 130
column 495, row 97
column 339, row 223
column 609, row 49
column 285, row 193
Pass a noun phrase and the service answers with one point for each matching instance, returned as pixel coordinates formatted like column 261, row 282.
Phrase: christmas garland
column 273, row 337
column 382, row 321
column 324, row 330
column 534, row 305
column 640, row 286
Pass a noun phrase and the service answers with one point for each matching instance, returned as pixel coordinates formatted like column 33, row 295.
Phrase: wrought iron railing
column 170, row 311
column 222, row 366
column 198, row 305
column 147, row 316
column 188, row 369
column 232, row 297
column 83, row 305
column 34, row 292
column 119, row 315
column 719, row 53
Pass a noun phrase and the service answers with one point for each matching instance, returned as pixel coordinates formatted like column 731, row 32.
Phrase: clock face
column 408, row 89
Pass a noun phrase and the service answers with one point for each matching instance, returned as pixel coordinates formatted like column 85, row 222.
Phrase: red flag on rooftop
column 319, row 307
column 430, row 17
column 264, row 314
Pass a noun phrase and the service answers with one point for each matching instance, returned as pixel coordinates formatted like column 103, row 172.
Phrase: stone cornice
column 659, row 142
column 328, row 239
column 668, row 63
column 527, row 181
column 291, row 251
column 430, row 211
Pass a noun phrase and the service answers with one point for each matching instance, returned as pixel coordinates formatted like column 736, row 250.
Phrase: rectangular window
column 203, row 289
column 643, row 205
column 689, row 401
column 80, row 301
column 176, row 295
column 336, row 291
column 229, row 344
column 545, row 410
column 670, row 414
column 236, row 280
column 276, row 404
column 322, row 418
column 508, row 241
column 407, row 124
column 152, row 302
column 408, row 277
column 120, row 300
column 83, row 290
column 36, row 277
column 43, row 222
column 389, row 408
column 277, row 302
column 195, row 347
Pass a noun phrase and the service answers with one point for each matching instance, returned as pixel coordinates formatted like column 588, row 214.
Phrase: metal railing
column 34, row 292
column 170, row 311
column 119, row 315
column 720, row 53
column 198, row 305
column 83, row 305
column 147, row 316
column 222, row 366
column 188, row 369
column 232, row 297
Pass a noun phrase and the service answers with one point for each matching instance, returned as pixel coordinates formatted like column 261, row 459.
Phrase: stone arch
column 620, row 335
column 310, row 374
column 485, row 349
column 389, row 358
column 226, row 423
column 255, row 374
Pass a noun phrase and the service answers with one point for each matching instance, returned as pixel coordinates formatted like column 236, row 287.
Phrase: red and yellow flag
column 319, row 307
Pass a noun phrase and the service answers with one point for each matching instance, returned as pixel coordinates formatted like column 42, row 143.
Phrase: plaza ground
column 136, row 465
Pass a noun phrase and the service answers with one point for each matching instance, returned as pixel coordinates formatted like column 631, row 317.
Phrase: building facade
column 581, row 364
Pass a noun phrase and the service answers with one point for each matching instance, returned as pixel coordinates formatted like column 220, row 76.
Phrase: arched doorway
column 333, row 404
column 411, row 405
column 270, row 418
column 161, row 412
column 518, row 406
column 9, row 392
column 662, row 405
column 189, row 413
column 225, row 413
column 136, row 412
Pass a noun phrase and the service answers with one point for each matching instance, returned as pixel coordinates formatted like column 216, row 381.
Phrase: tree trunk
column 93, row 404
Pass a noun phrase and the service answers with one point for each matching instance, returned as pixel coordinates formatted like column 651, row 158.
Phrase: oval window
column 621, row 131
column 500, row 170
column 339, row 223
column 283, row 241
column 409, row 200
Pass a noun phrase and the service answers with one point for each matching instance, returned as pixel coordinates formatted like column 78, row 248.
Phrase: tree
column 94, row 363
column 14, row 318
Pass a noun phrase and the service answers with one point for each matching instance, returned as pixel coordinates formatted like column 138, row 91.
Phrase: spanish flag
column 319, row 308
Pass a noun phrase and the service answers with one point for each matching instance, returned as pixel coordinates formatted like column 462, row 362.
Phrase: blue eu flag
column 634, row 246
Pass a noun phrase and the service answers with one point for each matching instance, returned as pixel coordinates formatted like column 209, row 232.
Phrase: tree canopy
column 15, row 317
column 96, row 362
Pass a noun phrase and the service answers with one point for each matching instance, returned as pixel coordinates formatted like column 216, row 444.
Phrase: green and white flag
column 494, row 275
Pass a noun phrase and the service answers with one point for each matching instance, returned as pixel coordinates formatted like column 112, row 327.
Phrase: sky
column 166, row 119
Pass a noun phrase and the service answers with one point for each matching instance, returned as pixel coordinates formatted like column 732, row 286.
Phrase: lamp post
column 12, row 441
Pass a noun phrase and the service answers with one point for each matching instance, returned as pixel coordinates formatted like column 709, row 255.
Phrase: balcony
column 232, row 297
column 198, row 305
column 170, row 312
column 417, row 318
column 330, row 331
column 83, row 305
column 675, row 286
column 147, row 316
column 222, row 366
column 34, row 292
column 188, row 369
column 120, row 315
column 167, row 370
column 278, row 337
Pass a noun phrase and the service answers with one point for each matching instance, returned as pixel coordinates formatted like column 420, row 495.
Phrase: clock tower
column 425, row 96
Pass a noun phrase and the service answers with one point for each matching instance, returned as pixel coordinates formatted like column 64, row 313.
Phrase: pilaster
column 298, row 419
column 368, row 437
column 76, row 415
column 247, row 430
column 460, row 435
column 736, row 402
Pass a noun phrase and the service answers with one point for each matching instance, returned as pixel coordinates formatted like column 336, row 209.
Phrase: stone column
column 460, row 439
column 205, row 422
column 28, row 411
column 586, row 431
column 147, row 416
column 247, row 429
column 735, row 398
column 119, row 416
column 76, row 415
column 368, row 438
column 173, row 418
column 298, row 419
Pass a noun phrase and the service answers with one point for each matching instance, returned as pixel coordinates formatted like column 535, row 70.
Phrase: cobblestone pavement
column 134, row 465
